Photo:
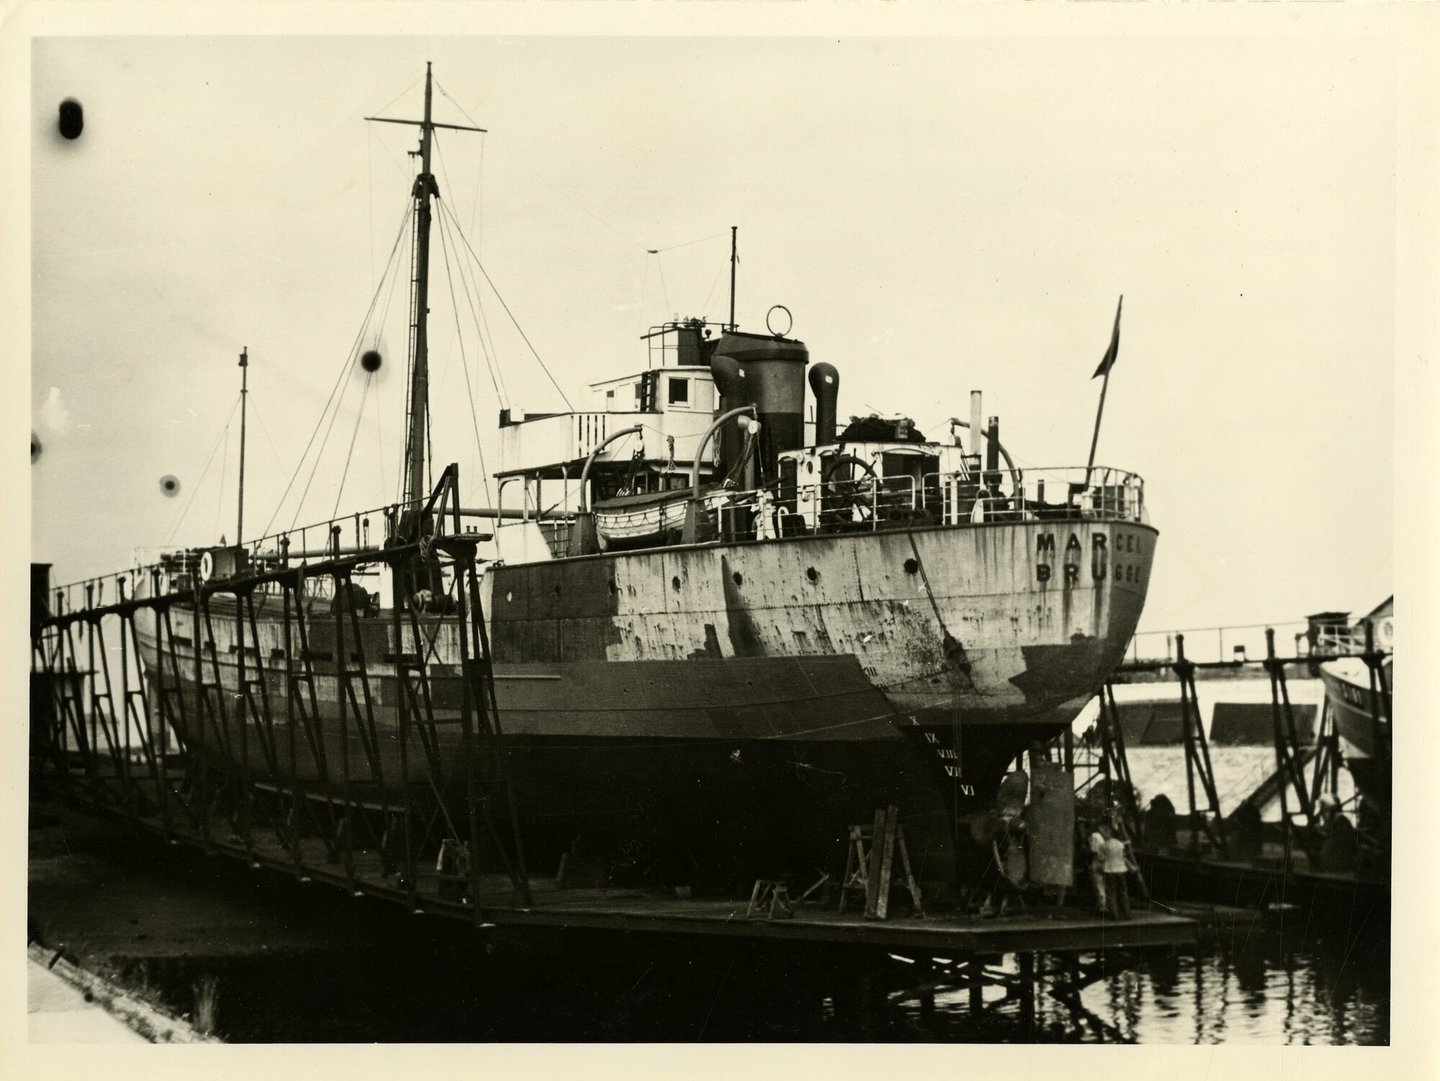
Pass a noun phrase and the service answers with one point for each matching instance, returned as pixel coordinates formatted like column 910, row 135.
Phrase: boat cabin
column 710, row 442
column 639, row 437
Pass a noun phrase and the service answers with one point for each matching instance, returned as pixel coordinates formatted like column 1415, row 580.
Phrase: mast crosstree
column 425, row 189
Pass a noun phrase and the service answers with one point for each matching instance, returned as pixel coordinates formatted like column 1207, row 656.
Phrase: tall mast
column 419, row 309
column 422, row 192
column 733, row 260
column 244, row 393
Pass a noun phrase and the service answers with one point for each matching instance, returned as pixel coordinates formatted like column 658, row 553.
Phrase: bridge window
column 679, row 392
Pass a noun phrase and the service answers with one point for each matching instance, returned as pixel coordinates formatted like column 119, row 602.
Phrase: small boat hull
column 1348, row 698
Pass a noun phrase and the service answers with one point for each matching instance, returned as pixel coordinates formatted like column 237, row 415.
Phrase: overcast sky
column 939, row 215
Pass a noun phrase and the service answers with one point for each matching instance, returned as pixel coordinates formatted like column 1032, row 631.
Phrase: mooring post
column 220, row 709
column 200, row 762
column 264, row 714
column 100, row 676
column 243, row 797
column 402, row 714
column 341, row 580
column 1380, row 754
column 1184, row 669
column 975, row 981
column 866, row 992
column 1280, row 763
column 139, row 718
column 291, row 750
column 168, row 687
column 94, row 709
column 127, row 743
column 313, row 723
column 1027, row 995
column 477, row 615
column 172, row 701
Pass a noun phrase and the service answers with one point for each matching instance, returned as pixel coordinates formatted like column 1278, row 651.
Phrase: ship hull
column 730, row 809
column 1347, row 696
column 749, row 702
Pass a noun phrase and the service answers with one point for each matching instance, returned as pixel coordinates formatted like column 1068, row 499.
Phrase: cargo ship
column 731, row 632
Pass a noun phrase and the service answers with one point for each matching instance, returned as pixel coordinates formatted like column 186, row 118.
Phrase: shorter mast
column 244, row 393
column 733, row 260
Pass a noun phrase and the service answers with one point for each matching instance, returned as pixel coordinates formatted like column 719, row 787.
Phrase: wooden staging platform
column 1036, row 929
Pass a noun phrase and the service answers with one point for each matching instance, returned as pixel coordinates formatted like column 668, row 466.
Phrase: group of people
column 1111, row 863
column 1010, row 830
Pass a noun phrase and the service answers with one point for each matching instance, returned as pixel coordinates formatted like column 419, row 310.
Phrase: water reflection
column 1259, row 986
column 1272, row 992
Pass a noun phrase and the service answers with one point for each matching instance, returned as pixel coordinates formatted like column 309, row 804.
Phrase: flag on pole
column 1113, row 351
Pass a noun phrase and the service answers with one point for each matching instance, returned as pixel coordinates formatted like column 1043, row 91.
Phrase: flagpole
column 1095, row 439
column 1105, row 365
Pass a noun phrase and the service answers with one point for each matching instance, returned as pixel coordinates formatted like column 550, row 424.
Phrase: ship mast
column 734, row 258
column 244, row 393
column 424, row 189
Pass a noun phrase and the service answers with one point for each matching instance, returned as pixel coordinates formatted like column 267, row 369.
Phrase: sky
column 940, row 213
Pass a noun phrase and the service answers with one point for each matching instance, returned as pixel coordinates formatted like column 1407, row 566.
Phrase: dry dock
column 170, row 910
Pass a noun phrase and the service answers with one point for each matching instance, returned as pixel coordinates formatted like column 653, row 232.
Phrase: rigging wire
column 334, row 413
column 380, row 436
column 220, row 494
column 688, row 243
column 706, row 306
column 640, row 297
column 265, row 431
column 480, row 173
column 446, row 95
column 495, row 381
column 344, row 368
column 370, row 191
column 477, row 309
column 350, row 453
column 519, row 329
column 204, row 470
column 664, row 289
column 429, row 450
column 464, row 362
column 610, row 228
column 477, row 224
column 414, row 83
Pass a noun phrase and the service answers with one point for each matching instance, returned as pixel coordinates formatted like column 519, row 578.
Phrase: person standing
column 1116, row 864
column 1097, row 865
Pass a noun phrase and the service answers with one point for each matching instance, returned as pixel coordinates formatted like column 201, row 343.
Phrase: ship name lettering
column 1073, row 552
column 1044, row 553
column 1098, row 556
